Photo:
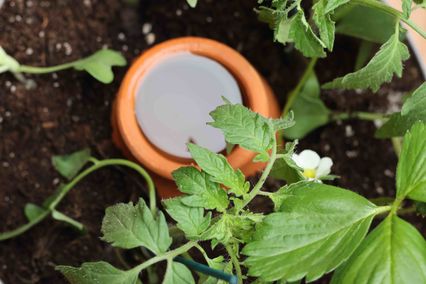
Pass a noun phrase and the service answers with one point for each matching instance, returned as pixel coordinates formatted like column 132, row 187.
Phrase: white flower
column 314, row 167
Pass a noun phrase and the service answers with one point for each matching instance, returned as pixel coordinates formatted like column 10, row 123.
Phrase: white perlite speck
column 146, row 28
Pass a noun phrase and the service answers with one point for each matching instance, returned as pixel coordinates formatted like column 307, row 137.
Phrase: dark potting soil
column 69, row 111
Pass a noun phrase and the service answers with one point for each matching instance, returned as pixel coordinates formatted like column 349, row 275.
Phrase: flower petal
column 308, row 159
column 324, row 167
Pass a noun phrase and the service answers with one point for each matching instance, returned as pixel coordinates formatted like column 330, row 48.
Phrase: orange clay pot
column 128, row 136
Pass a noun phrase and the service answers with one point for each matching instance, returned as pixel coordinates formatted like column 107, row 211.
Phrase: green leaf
column 387, row 61
column 278, row 197
column 7, row 62
column 202, row 192
column 309, row 110
column 64, row 218
column 416, row 102
column 334, row 4
column 285, row 168
column 69, row 165
column 318, row 229
column 98, row 272
column 284, row 123
column 33, row 211
column 305, row 40
column 411, row 170
column 394, row 252
column 324, row 23
column 190, row 220
column 192, row 3
column 177, row 273
column 406, row 8
column 100, row 64
column 367, row 24
column 221, row 171
column 243, row 127
column 130, row 226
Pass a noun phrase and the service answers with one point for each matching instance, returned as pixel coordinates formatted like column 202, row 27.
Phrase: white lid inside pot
column 175, row 98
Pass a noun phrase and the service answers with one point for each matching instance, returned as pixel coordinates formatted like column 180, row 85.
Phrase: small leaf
column 192, row 3
column 304, row 37
column 33, row 211
column 64, row 218
column 202, row 192
column 411, row 170
column 100, row 64
column 318, row 229
column 190, row 220
column 98, row 272
column 177, row 273
column 69, row 165
column 387, row 61
column 243, row 127
column 130, row 226
column 406, row 8
column 416, row 102
column 285, row 168
column 324, row 23
column 7, row 62
column 309, row 110
column 219, row 169
column 394, row 252
column 284, row 123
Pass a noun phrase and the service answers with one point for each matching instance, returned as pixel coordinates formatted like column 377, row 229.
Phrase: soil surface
column 69, row 111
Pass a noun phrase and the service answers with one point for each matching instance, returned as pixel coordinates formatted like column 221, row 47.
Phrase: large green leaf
column 309, row 110
column 69, row 165
column 243, row 127
column 221, row 171
column 413, row 110
column 385, row 63
column 98, row 272
column 130, row 226
column 318, row 229
column 411, row 170
column 395, row 252
column 177, row 273
column 366, row 23
column 202, row 192
column 191, row 220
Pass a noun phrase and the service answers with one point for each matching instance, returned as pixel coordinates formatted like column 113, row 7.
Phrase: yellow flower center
column 309, row 173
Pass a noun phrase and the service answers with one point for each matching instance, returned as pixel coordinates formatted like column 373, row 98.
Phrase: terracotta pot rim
column 251, row 84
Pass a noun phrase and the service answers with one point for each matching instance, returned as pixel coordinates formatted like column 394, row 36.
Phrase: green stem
column 293, row 94
column 256, row 189
column 42, row 70
column 235, row 262
column 97, row 165
column 396, row 204
column 264, row 193
column 391, row 11
column 169, row 256
column 370, row 116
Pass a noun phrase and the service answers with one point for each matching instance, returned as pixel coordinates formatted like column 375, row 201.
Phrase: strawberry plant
column 314, row 228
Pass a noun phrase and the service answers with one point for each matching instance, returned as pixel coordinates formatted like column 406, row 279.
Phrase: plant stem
column 235, row 262
column 105, row 163
column 391, row 11
column 97, row 165
column 42, row 70
column 264, row 176
column 264, row 193
column 169, row 256
column 370, row 116
column 293, row 94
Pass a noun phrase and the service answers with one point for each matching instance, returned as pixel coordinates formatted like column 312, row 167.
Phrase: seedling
column 315, row 228
column 99, row 65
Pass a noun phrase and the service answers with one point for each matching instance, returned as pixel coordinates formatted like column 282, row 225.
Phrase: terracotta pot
column 127, row 135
